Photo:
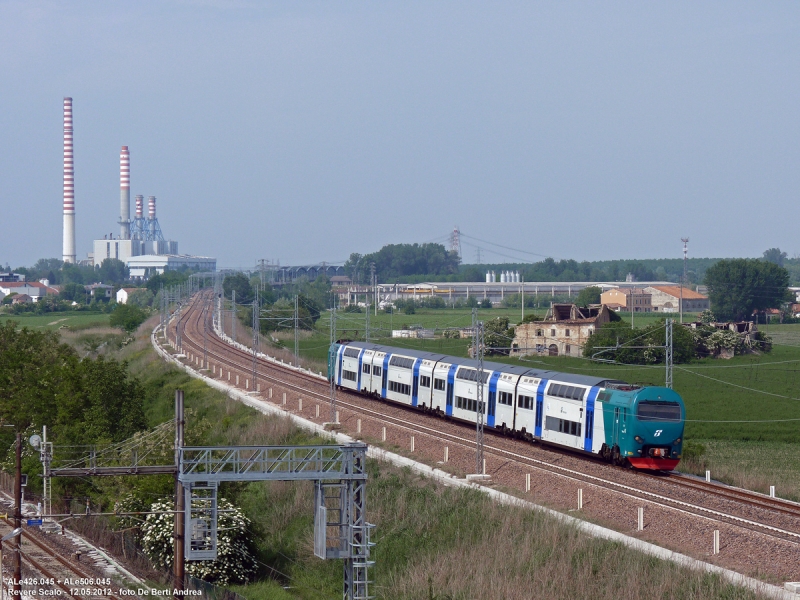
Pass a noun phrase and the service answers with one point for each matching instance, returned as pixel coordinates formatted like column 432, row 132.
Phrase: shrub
column 127, row 317
column 235, row 562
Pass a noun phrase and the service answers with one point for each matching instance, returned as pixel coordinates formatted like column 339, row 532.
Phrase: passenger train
column 625, row 424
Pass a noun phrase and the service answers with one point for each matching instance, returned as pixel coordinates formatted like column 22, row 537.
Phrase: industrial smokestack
column 68, row 248
column 139, row 206
column 151, row 213
column 124, row 194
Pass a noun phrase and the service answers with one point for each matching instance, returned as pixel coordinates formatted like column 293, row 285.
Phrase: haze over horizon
column 307, row 131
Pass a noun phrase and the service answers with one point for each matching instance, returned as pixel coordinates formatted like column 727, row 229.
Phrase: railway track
column 45, row 572
column 770, row 516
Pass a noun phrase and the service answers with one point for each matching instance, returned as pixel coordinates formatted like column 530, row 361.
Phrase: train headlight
column 676, row 442
column 638, row 439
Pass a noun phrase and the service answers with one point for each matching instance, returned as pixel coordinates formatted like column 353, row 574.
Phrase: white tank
column 488, row 277
column 494, row 277
column 516, row 277
column 503, row 277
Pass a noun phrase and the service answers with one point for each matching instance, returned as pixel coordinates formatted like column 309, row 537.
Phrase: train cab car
column 643, row 426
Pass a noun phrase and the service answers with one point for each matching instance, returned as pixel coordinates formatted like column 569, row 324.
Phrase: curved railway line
column 775, row 518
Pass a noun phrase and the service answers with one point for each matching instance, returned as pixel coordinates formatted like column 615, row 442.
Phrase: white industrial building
column 150, row 264
column 140, row 243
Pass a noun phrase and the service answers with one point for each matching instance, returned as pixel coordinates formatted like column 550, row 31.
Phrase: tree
column 73, row 292
column 589, row 295
column 240, row 283
column 166, row 279
column 497, row 336
column 486, row 303
column 128, row 317
column 112, row 270
column 740, row 286
column 620, row 337
column 141, row 297
column 774, row 255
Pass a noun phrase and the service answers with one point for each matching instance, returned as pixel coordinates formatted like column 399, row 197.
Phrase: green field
column 56, row 320
column 744, row 411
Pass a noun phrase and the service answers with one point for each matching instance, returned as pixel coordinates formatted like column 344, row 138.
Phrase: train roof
column 587, row 380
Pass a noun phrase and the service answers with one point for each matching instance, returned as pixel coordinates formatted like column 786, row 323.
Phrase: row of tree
column 81, row 400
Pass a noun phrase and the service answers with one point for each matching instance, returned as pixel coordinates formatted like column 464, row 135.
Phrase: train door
column 490, row 416
column 451, row 378
column 415, row 383
column 615, row 437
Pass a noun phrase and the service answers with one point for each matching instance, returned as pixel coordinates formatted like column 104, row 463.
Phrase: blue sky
column 304, row 131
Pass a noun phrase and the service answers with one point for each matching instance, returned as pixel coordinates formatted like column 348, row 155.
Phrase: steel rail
column 740, row 495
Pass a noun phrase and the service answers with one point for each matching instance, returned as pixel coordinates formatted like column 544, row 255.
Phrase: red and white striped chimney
column 68, row 248
column 124, row 194
column 151, row 214
column 139, row 206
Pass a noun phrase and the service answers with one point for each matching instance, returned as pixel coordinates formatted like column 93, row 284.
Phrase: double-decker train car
column 624, row 424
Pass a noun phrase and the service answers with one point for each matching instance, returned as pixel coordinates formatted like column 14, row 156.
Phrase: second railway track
column 773, row 517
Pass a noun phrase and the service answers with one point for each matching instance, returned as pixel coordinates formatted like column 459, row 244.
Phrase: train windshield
column 654, row 410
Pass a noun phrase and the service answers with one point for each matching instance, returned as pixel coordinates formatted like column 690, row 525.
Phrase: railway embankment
column 421, row 473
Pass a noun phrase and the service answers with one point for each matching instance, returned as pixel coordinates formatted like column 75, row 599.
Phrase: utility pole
column 233, row 315
column 477, row 353
column 15, row 585
column 522, row 296
column 331, row 363
column 179, row 530
column 205, row 331
column 683, row 279
column 668, row 353
column 366, row 323
column 296, row 320
column 256, row 324
column 374, row 287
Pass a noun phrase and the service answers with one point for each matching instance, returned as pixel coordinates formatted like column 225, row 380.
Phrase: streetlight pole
column 6, row 537
column 15, row 584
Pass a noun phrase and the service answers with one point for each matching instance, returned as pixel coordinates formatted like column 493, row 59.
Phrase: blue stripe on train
column 587, row 440
column 492, row 398
column 384, row 375
column 358, row 377
column 539, row 407
column 451, row 377
column 415, row 383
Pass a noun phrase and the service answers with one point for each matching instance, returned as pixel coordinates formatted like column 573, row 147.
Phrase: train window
column 471, row 375
column 469, row 404
column 438, row 384
column 352, row 352
column 563, row 426
column 525, row 402
column 653, row 410
column 400, row 388
column 376, row 370
column 349, row 375
column 506, row 398
column 425, row 381
column 365, row 369
column 577, row 393
column 402, row 362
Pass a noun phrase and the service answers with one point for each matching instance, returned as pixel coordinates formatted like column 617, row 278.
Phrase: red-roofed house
column 34, row 289
column 667, row 298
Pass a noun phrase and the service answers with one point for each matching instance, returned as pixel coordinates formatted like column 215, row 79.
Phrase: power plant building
column 140, row 243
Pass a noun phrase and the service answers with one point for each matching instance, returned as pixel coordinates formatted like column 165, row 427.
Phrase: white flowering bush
column 724, row 339
column 235, row 562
